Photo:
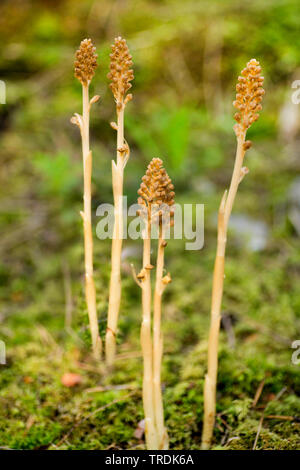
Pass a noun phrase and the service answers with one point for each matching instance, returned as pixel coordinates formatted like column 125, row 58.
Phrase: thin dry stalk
column 143, row 280
column 146, row 342
column 248, row 99
column 160, row 285
column 120, row 75
column 85, row 65
column 156, row 195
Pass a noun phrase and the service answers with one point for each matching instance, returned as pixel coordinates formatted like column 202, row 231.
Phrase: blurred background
column 187, row 57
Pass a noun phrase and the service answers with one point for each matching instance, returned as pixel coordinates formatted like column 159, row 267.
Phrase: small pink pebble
column 70, row 379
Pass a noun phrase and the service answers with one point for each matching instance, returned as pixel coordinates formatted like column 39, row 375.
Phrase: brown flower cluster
column 156, row 192
column 120, row 73
column 85, row 62
column 249, row 96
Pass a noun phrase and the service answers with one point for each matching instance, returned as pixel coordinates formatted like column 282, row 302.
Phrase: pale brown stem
column 90, row 291
column 217, row 293
column 163, row 441
column 116, row 249
column 146, row 342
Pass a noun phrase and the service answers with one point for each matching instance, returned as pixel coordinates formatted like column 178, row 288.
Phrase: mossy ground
column 187, row 56
column 103, row 411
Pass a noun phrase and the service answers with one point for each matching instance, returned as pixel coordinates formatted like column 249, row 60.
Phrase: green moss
column 41, row 230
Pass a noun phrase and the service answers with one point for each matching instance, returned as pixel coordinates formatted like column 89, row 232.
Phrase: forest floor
column 41, row 246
